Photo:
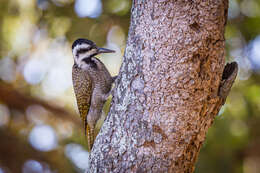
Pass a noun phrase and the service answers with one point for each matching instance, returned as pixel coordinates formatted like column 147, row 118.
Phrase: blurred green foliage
column 35, row 59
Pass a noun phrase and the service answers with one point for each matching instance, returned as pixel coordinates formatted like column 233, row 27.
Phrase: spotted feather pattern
column 83, row 90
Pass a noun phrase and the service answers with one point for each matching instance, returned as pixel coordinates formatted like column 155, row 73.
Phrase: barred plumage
column 92, row 83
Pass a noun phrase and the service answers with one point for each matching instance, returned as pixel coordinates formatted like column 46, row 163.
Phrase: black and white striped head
column 83, row 50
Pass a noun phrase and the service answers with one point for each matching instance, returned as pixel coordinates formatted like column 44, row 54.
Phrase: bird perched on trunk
column 92, row 83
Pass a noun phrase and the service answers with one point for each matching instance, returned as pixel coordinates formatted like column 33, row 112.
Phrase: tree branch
column 18, row 100
column 169, row 89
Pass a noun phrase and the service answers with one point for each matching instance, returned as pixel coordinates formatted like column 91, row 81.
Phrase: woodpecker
column 92, row 83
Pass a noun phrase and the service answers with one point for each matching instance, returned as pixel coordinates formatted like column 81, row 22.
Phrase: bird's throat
column 90, row 62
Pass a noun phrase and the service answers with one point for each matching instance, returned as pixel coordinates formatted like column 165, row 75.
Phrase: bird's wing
column 83, row 90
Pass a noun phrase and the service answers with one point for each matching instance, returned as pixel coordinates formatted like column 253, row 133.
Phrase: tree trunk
column 169, row 90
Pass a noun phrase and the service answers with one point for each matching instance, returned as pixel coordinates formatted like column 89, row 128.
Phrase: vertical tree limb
column 170, row 88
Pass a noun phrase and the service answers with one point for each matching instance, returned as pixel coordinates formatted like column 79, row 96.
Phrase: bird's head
column 84, row 49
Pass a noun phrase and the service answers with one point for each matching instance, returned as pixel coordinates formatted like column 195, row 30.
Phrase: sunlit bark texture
column 169, row 90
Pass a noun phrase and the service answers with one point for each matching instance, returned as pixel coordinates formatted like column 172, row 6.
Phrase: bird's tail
column 90, row 136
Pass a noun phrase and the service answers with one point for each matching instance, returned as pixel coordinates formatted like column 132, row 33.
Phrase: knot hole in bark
column 195, row 26
column 228, row 78
column 229, row 69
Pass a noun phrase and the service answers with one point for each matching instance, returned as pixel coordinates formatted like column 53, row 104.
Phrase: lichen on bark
column 170, row 88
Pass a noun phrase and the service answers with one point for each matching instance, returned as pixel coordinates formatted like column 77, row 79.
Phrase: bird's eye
column 86, row 60
column 82, row 50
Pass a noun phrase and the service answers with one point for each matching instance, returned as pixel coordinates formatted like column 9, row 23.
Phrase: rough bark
column 169, row 90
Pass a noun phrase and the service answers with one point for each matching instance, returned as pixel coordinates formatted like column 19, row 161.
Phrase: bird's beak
column 104, row 50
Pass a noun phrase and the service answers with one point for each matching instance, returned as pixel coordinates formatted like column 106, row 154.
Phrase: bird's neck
column 87, row 62
column 90, row 61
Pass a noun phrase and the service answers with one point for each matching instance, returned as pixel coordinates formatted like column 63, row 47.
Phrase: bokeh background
column 40, row 130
